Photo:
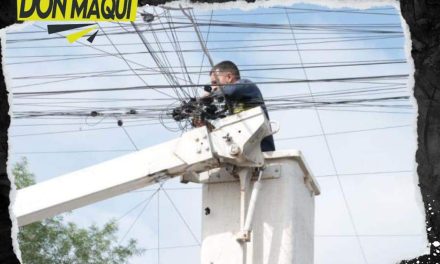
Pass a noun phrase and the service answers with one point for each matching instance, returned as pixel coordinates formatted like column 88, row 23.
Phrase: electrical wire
column 329, row 151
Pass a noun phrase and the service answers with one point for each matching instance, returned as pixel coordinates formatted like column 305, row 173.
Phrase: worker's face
column 221, row 78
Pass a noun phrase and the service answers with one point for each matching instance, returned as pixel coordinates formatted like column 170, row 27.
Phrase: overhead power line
column 57, row 92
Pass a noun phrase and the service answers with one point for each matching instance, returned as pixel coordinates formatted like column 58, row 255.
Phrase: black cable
column 57, row 92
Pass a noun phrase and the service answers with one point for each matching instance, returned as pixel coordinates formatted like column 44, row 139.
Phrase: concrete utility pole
column 282, row 228
column 259, row 208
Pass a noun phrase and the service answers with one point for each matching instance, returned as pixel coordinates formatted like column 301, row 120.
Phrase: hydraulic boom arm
column 235, row 140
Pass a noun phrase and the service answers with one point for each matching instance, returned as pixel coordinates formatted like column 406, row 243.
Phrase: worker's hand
column 197, row 122
column 206, row 97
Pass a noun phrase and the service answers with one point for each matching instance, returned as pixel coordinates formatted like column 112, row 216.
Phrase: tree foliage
column 55, row 241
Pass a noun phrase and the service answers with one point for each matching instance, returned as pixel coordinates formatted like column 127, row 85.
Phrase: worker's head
column 225, row 72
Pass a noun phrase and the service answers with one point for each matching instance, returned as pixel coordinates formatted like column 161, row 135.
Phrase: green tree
column 55, row 241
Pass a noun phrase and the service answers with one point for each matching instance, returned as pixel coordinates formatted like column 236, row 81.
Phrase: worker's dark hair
column 226, row 66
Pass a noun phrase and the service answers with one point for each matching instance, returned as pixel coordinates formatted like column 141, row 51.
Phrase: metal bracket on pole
column 246, row 225
column 244, row 175
column 224, row 174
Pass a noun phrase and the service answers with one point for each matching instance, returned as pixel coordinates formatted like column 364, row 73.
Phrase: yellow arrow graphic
column 75, row 36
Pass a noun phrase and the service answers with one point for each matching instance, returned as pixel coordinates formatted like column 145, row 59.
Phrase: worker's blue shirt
column 243, row 95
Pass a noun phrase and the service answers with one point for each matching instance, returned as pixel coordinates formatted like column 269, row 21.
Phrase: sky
column 362, row 153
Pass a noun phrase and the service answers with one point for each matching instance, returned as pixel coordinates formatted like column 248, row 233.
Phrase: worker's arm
column 228, row 90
